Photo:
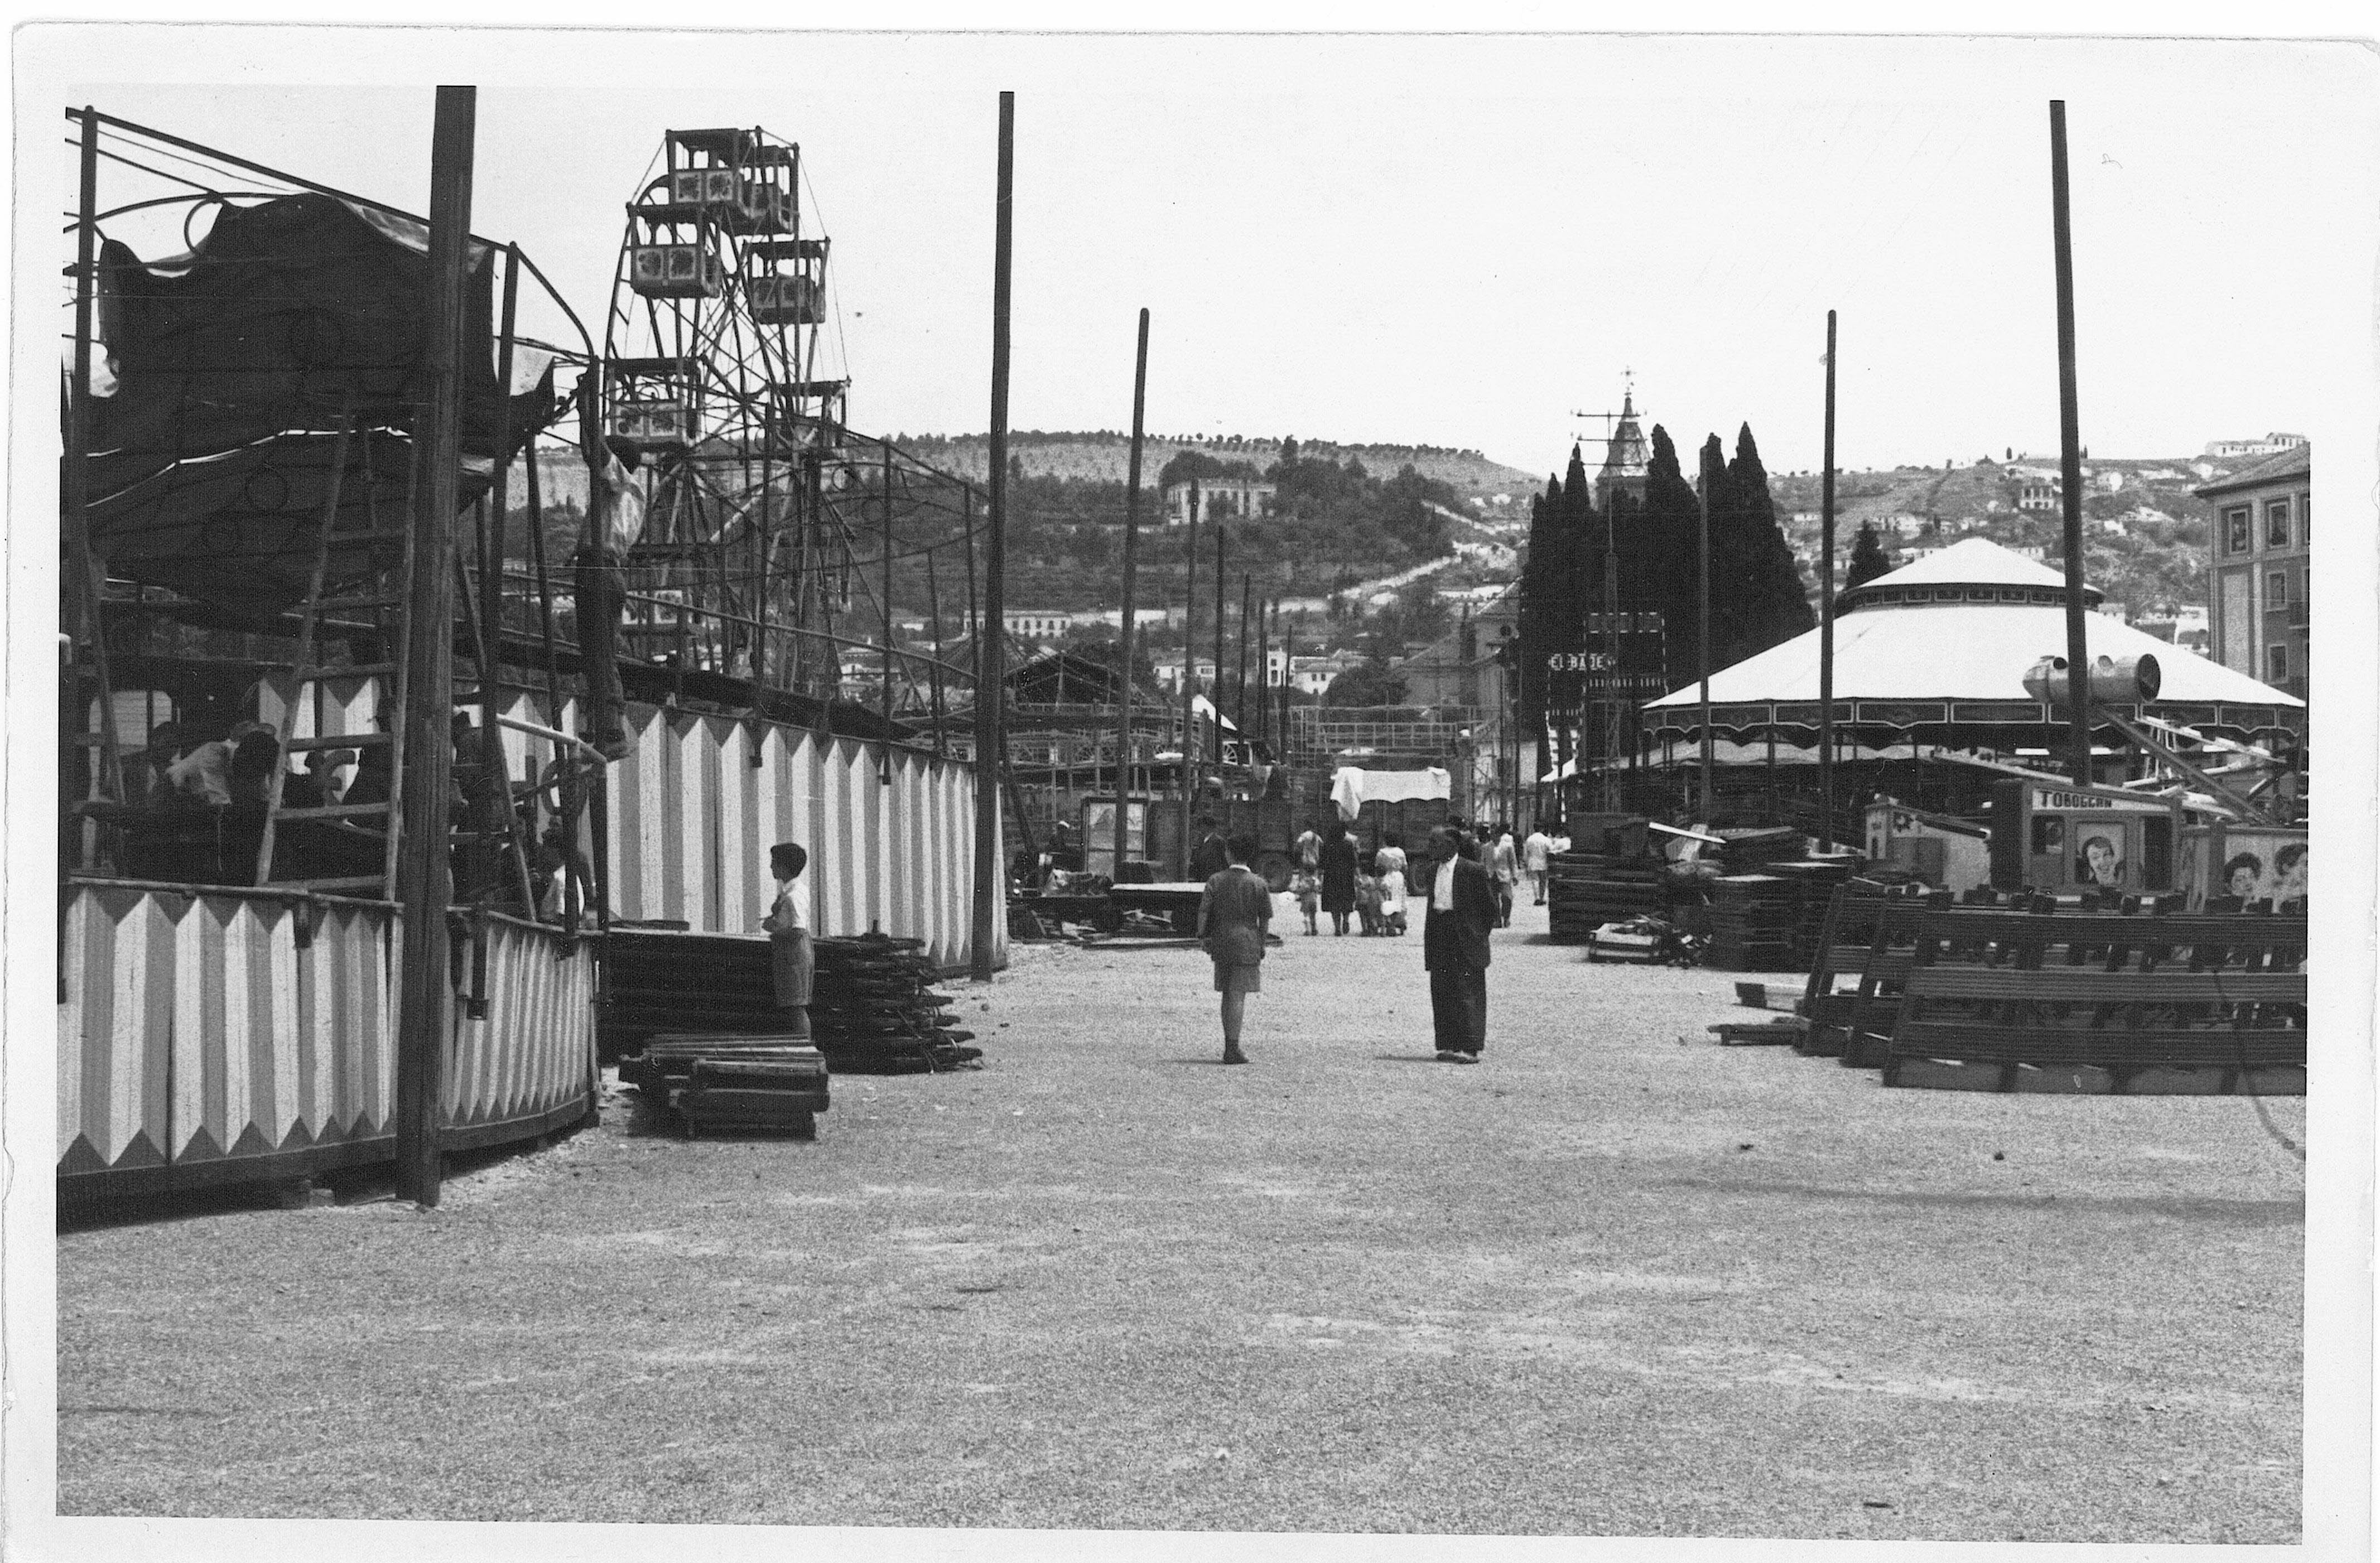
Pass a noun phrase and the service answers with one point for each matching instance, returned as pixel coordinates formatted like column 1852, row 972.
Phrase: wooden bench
column 2101, row 1002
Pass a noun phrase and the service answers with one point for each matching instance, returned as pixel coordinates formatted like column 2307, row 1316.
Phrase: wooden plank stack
column 763, row 1085
column 873, row 1010
column 1753, row 921
column 1587, row 889
column 872, row 1006
column 1814, row 882
column 2097, row 1003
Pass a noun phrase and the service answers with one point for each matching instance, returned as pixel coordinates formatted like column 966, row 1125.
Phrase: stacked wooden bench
column 1753, row 917
column 1866, row 936
column 2095, row 1002
column 1588, row 889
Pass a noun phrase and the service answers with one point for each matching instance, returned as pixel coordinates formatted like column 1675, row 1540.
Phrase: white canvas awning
column 1352, row 788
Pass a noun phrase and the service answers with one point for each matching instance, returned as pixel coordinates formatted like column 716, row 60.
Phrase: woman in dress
column 1338, row 875
column 1233, row 916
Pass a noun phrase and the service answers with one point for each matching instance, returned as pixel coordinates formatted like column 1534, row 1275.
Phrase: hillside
column 2147, row 537
column 1105, row 455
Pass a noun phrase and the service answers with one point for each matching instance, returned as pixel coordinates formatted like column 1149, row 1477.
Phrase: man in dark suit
column 1454, row 938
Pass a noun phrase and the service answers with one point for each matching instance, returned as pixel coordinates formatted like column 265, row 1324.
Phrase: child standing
column 1307, row 886
column 1368, row 901
column 788, row 926
column 1392, row 901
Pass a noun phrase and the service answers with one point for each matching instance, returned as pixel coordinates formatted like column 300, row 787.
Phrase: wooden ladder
column 387, row 580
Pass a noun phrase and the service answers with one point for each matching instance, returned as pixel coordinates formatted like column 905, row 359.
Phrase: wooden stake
column 1826, row 616
column 1131, row 550
column 425, row 1008
column 1702, row 591
column 2070, row 441
column 990, row 683
column 1185, row 772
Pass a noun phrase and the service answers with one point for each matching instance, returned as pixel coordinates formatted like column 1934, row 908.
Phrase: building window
column 2276, row 664
column 2276, row 591
column 2277, row 524
column 2235, row 530
column 2305, row 521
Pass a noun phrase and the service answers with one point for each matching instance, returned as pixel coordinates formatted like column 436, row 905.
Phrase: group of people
column 1461, row 908
column 181, row 787
column 1333, row 874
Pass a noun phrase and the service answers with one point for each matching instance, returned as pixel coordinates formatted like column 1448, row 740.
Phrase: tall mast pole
column 1215, row 695
column 990, row 683
column 1701, row 592
column 1240, row 659
column 1264, row 669
column 1827, row 615
column 1186, row 773
column 425, row 1007
column 1131, row 555
column 2069, row 439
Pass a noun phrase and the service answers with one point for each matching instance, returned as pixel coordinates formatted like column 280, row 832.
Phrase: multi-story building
column 1035, row 623
column 2269, row 445
column 1229, row 499
column 2257, row 619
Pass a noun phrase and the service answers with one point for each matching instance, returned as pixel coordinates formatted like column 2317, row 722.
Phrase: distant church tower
column 1625, row 458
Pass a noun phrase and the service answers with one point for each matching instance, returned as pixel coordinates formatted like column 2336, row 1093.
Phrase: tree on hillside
column 1868, row 560
column 1369, row 683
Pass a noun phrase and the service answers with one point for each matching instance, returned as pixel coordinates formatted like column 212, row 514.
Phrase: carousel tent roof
column 1953, row 647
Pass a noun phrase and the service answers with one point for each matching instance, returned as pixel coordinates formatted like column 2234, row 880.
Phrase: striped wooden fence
column 700, row 800
column 222, row 1035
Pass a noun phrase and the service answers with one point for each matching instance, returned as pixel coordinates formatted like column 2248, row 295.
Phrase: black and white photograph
column 997, row 791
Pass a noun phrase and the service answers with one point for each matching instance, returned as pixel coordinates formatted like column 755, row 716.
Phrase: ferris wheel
column 714, row 397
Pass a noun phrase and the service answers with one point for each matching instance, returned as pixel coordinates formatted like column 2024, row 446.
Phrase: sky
column 1459, row 241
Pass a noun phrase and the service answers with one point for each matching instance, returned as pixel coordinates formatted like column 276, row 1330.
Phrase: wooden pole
column 1215, row 695
column 884, row 688
column 74, row 497
column 1264, row 671
column 2069, row 440
column 1131, row 558
column 1701, row 591
column 1826, row 616
column 990, row 741
column 1186, row 773
column 425, row 1007
column 1240, row 700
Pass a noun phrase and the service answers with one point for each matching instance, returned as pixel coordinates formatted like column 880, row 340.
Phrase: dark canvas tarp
column 233, row 366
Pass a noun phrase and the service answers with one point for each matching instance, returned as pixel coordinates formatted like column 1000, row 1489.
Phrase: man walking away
column 1504, row 865
column 1212, row 854
column 1536, row 855
column 1454, row 937
column 1233, row 916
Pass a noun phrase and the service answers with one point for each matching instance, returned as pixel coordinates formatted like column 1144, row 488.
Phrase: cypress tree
column 1659, row 563
column 1766, row 602
column 1867, row 557
column 1544, row 569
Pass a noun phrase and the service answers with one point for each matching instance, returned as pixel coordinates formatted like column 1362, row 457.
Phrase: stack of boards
column 1815, row 880
column 739, row 1083
column 1753, row 918
column 1586, row 891
column 873, row 1010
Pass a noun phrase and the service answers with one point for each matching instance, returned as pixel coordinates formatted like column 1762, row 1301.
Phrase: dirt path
column 1607, row 1282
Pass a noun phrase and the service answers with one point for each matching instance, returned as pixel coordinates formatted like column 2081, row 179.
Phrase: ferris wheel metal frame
column 764, row 511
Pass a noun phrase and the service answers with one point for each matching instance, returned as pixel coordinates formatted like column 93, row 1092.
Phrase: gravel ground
column 1614, row 1281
